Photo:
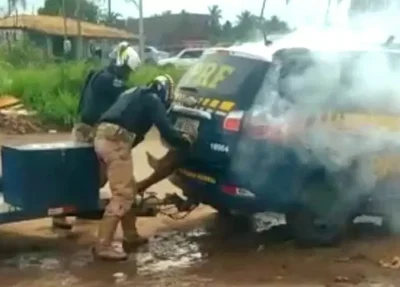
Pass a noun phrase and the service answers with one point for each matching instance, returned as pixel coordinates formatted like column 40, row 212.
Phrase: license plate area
column 188, row 126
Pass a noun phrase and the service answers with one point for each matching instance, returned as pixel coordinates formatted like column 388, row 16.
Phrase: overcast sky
column 299, row 13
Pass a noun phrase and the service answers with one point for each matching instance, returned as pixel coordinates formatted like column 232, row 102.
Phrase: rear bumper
column 256, row 188
column 207, row 190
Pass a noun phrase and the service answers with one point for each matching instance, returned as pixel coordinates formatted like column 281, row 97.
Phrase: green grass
column 53, row 89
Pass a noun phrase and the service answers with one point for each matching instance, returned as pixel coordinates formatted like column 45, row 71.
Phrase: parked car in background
column 153, row 55
column 184, row 58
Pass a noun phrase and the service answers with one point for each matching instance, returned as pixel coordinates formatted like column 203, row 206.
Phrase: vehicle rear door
column 211, row 100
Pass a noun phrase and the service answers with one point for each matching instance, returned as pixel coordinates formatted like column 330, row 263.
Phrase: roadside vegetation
column 51, row 87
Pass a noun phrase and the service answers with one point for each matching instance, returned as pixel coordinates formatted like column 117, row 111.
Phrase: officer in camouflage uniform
column 121, row 128
column 101, row 90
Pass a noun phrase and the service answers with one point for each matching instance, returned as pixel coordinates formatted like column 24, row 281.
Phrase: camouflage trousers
column 113, row 146
column 83, row 133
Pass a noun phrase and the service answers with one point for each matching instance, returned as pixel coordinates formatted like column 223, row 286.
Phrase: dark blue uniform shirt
column 137, row 110
column 101, row 90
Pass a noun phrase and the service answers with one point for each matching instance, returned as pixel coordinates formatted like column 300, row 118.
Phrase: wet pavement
column 206, row 255
column 201, row 250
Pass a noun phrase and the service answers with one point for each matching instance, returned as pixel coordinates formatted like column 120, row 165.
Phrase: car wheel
column 385, row 201
column 234, row 222
column 320, row 218
column 391, row 222
column 391, row 215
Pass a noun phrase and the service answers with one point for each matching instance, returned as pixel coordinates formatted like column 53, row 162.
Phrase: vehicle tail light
column 233, row 121
column 237, row 191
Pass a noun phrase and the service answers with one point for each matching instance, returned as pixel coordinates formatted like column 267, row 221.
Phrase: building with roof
column 173, row 32
column 49, row 33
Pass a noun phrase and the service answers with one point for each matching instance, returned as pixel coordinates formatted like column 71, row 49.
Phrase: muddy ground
column 194, row 252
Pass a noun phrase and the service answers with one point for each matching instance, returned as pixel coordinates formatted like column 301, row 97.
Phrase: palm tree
column 13, row 4
column 215, row 13
column 245, row 18
column 111, row 18
column 215, row 16
column 245, row 23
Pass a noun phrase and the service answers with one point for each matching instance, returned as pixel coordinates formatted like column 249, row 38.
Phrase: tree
column 111, row 19
column 274, row 25
column 245, row 24
column 227, row 31
column 216, row 15
column 89, row 11
column 167, row 12
column 12, row 5
column 214, row 25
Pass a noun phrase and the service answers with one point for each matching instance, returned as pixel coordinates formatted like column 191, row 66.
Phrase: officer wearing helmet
column 100, row 91
column 121, row 128
column 117, row 50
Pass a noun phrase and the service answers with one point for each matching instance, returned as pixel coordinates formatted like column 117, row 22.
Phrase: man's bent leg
column 162, row 168
column 118, row 165
column 154, row 162
column 132, row 239
column 117, row 157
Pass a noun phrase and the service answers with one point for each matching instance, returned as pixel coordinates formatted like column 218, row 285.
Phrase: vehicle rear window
column 225, row 77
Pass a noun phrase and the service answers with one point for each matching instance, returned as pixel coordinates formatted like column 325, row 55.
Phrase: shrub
column 22, row 53
column 53, row 89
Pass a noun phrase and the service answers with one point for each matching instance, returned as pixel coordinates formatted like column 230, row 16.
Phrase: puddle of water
column 265, row 221
column 39, row 260
column 165, row 254
column 170, row 252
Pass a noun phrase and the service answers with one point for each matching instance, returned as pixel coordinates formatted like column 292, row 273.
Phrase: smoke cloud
column 346, row 76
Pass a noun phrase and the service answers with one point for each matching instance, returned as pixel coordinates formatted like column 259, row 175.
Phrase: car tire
column 391, row 223
column 312, row 225
column 391, row 216
column 238, row 223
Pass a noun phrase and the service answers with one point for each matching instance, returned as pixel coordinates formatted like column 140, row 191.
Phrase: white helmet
column 121, row 46
column 124, row 54
column 128, row 57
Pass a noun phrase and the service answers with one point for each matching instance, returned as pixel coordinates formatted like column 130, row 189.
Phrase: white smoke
column 368, row 85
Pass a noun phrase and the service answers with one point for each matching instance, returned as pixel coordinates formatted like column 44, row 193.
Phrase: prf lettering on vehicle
column 209, row 74
column 383, row 165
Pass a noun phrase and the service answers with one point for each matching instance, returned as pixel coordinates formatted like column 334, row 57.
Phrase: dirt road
column 193, row 252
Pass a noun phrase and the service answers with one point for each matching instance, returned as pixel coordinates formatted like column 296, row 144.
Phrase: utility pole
column 9, row 7
column 266, row 42
column 109, row 10
column 65, row 19
column 139, row 6
column 79, row 29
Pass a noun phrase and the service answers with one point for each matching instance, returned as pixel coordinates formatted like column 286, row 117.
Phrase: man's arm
column 158, row 114
column 86, row 83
